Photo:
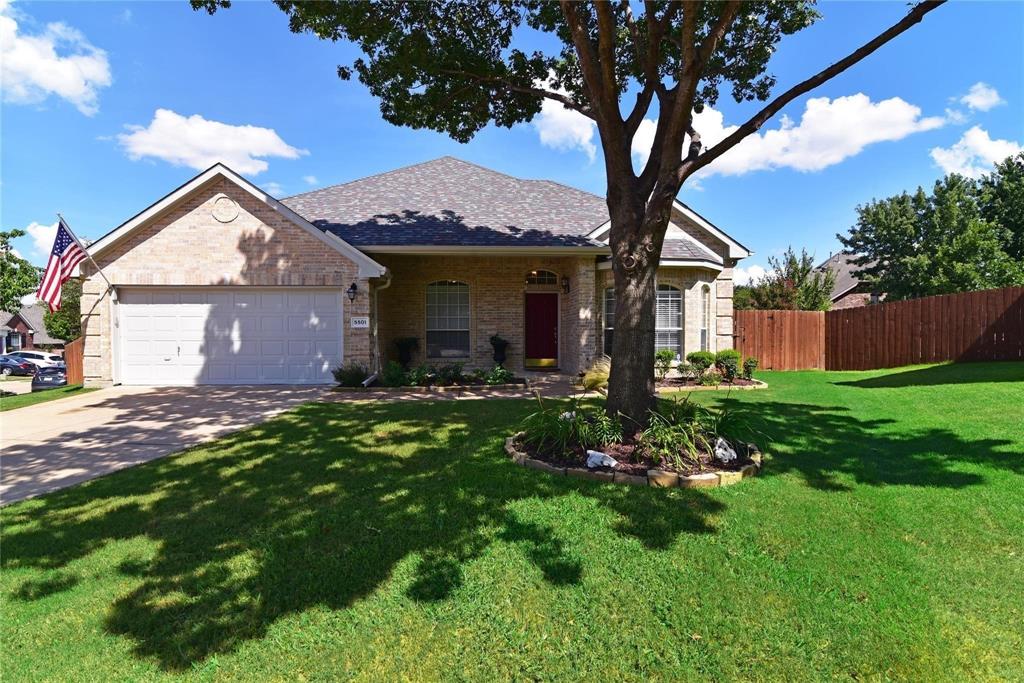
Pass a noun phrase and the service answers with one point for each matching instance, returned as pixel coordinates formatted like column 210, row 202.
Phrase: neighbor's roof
column 33, row 315
column 450, row 202
column 843, row 266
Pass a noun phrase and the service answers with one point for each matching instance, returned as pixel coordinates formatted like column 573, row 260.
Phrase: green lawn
column 30, row 399
column 395, row 541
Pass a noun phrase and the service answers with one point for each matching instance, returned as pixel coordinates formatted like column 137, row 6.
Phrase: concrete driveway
column 64, row 442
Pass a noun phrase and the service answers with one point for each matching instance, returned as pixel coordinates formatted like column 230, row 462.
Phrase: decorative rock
column 595, row 475
column 729, row 478
column 723, row 451
column 662, row 479
column 599, row 459
column 623, row 478
column 517, row 455
column 543, row 466
column 749, row 471
column 755, row 455
column 693, row 481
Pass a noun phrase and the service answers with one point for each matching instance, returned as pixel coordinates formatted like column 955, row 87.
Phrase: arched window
column 448, row 319
column 705, row 318
column 668, row 319
column 541, row 277
column 609, row 319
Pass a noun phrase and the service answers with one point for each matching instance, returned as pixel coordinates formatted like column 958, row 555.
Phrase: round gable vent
column 225, row 209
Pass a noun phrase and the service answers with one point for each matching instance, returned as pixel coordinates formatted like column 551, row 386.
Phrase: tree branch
column 606, row 48
column 913, row 17
column 537, row 92
column 707, row 47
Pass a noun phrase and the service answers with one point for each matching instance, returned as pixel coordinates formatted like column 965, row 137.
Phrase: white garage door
column 239, row 335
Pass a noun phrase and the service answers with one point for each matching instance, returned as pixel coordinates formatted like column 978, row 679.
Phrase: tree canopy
column 18, row 277
column 792, row 283
column 66, row 322
column 965, row 235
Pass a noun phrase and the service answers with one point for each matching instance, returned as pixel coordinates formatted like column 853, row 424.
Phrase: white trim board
column 736, row 250
column 674, row 263
column 367, row 266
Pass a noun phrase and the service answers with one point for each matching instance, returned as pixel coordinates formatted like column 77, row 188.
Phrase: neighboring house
column 848, row 291
column 25, row 330
column 220, row 283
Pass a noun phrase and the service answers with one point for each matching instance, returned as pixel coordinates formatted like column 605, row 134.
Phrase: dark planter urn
column 500, row 349
column 405, row 346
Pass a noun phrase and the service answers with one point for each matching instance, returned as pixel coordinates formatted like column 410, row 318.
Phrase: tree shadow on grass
column 825, row 444
column 936, row 375
column 317, row 507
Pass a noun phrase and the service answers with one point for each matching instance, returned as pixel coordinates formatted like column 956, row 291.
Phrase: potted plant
column 406, row 345
column 500, row 346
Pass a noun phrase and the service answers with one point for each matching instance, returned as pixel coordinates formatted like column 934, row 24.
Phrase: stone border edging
column 655, row 478
column 758, row 384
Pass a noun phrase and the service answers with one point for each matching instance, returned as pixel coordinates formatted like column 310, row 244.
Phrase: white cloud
column 982, row 97
column 746, row 276
column 42, row 238
column 564, row 129
column 59, row 61
column 199, row 143
column 310, row 179
column 829, row 132
column 974, row 153
column 273, row 188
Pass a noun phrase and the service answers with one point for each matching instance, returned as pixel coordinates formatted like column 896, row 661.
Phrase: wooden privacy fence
column 985, row 325
column 73, row 359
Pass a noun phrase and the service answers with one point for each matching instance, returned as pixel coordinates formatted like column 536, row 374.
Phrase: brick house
column 24, row 330
column 220, row 283
column 849, row 291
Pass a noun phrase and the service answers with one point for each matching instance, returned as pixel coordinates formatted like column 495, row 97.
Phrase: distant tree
column 66, row 323
column 964, row 236
column 457, row 67
column 18, row 277
column 742, row 298
column 791, row 284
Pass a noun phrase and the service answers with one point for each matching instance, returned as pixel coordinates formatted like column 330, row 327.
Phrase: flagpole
column 99, row 270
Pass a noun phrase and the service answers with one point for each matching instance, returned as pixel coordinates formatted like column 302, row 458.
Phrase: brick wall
column 497, row 285
column 186, row 245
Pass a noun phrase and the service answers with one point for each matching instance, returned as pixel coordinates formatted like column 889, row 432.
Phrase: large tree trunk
column 638, row 230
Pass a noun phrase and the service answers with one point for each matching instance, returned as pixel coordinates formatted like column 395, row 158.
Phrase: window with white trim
column 609, row 319
column 705, row 318
column 541, row 277
column 668, row 319
column 448, row 319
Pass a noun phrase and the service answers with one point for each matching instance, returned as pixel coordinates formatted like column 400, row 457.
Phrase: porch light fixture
column 565, row 284
column 351, row 292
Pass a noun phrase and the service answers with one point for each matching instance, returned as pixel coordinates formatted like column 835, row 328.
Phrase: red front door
column 541, row 330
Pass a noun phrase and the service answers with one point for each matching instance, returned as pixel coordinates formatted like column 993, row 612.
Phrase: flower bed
column 670, row 384
column 450, row 376
column 684, row 444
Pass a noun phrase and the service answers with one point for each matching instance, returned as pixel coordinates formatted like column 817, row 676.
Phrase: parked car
column 49, row 378
column 16, row 366
column 39, row 359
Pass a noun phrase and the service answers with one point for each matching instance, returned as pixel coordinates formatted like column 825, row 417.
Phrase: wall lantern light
column 565, row 284
column 351, row 292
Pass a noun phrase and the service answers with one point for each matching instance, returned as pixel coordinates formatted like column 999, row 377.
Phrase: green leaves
column 18, row 277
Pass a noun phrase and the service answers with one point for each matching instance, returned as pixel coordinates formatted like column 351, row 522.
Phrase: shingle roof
column 842, row 265
column 33, row 315
column 683, row 249
column 450, row 202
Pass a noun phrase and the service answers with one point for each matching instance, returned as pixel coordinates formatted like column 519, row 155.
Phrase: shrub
column 749, row 366
column 728, row 363
column 710, row 379
column 405, row 346
column 559, row 431
column 421, row 375
column 663, row 359
column 393, row 375
column 596, row 376
column 351, row 374
column 700, row 361
column 498, row 375
column 684, row 369
column 450, row 373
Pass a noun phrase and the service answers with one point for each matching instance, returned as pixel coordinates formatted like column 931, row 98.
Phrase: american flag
column 65, row 255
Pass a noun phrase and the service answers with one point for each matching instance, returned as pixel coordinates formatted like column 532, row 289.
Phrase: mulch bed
column 684, row 382
column 632, row 461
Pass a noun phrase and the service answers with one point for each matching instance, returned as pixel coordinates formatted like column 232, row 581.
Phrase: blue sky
column 108, row 106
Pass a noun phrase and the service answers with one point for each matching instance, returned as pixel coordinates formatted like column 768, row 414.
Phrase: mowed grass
column 885, row 540
column 32, row 398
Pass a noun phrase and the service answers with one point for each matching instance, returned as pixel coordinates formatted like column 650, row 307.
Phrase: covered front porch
column 545, row 307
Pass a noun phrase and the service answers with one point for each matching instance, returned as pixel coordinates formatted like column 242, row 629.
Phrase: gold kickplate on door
column 541, row 362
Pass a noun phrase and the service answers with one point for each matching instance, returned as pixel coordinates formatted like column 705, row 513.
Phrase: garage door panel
column 229, row 336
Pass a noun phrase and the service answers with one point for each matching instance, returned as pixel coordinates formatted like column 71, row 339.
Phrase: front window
column 15, row 340
column 609, row 319
column 668, row 320
column 541, row 277
column 448, row 319
column 705, row 318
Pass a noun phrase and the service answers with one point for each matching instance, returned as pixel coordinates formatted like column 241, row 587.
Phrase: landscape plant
column 457, row 68
column 350, row 374
column 727, row 362
column 595, row 378
column 700, row 361
column 499, row 374
column 421, row 375
column 663, row 360
column 749, row 367
column 393, row 375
